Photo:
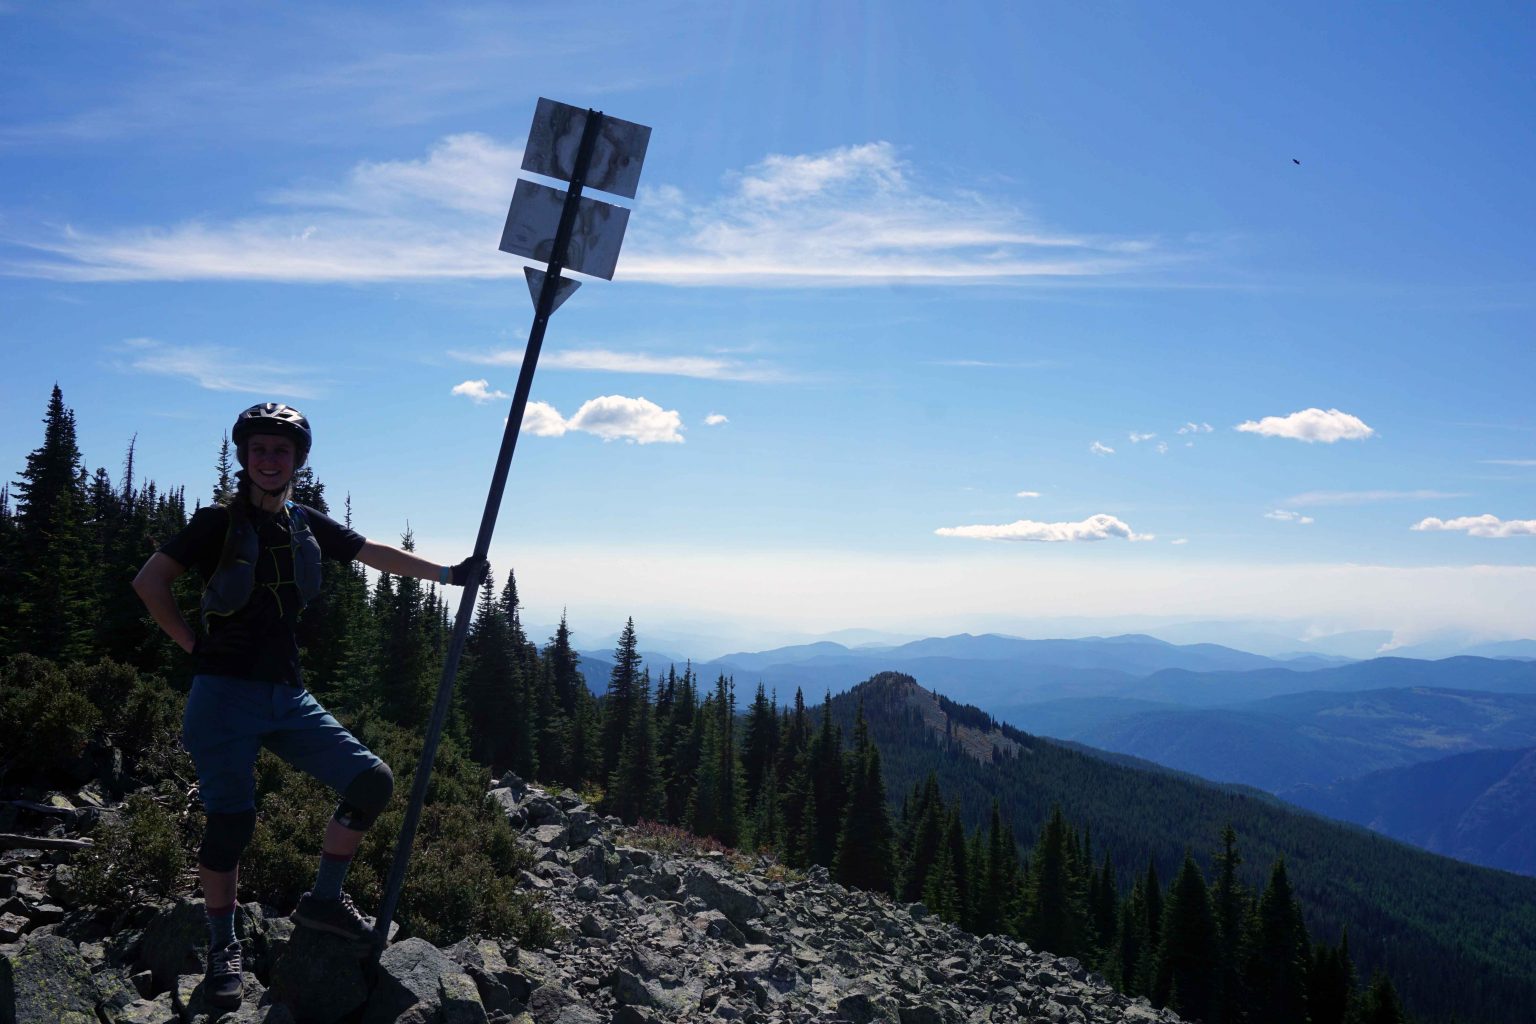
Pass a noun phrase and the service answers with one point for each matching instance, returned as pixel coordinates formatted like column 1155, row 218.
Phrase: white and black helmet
column 273, row 418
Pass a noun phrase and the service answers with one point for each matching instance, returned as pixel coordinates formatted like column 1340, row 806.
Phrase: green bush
column 465, row 861
column 137, row 854
column 44, row 721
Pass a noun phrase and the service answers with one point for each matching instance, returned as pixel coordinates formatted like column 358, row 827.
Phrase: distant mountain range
column 1478, row 807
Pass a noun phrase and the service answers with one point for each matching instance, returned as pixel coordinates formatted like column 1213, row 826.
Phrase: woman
column 259, row 557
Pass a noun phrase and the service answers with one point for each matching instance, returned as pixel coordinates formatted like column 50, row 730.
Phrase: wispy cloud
column 1311, row 425
column 219, row 368
column 716, row 419
column 1311, row 498
column 1099, row 448
column 478, row 391
column 610, row 417
column 1099, row 527
column 1285, row 515
column 1196, row 428
column 852, row 216
column 1138, row 438
column 604, row 360
column 1027, row 494
column 1508, row 462
column 1479, row 526
column 1179, row 541
column 1162, row 447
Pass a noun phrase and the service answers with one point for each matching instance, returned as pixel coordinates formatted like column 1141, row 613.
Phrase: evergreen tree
column 1051, row 921
column 1228, row 903
column 619, row 702
column 634, row 789
column 759, row 746
column 926, row 836
column 492, row 688
column 404, row 667
column 56, row 609
column 679, row 741
column 224, row 475
column 716, row 807
column 864, row 847
column 828, row 787
column 1278, row 952
column 1331, row 983
column 1381, row 1005
column 1187, row 958
column 583, row 760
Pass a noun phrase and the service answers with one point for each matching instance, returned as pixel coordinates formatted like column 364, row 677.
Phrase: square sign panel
column 595, row 237
column 616, row 156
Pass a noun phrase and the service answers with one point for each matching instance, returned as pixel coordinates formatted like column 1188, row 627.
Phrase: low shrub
column 45, row 722
column 138, row 853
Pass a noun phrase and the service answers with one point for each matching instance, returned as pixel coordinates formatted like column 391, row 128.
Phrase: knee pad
column 225, row 838
column 365, row 797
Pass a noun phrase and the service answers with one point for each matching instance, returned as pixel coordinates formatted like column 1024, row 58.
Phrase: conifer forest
column 89, row 688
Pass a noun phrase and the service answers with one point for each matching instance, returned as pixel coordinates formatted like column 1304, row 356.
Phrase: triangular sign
column 563, row 291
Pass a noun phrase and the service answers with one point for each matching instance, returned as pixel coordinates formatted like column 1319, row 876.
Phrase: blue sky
column 928, row 319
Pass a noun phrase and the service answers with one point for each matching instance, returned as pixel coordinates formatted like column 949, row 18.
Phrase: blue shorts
column 228, row 721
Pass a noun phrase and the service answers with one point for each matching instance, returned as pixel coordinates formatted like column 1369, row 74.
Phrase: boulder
column 46, row 981
column 322, row 978
column 416, row 974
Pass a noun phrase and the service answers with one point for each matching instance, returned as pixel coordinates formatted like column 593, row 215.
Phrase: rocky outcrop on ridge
column 653, row 933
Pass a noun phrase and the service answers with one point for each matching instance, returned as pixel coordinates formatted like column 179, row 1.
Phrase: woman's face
column 269, row 460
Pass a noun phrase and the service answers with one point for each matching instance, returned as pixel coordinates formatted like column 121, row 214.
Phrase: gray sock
column 221, row 925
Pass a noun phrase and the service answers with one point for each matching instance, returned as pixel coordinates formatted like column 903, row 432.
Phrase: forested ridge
column 1225, row 907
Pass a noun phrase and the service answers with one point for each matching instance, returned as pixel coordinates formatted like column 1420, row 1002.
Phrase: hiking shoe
column 339, row 917
column 223, row 985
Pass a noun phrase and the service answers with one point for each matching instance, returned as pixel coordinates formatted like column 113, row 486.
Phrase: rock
column 13, row 927
column 554, row 837
column 723, row 895
column 47, row 982
column 175, row 942
column 412, row 973
column 500, row 986
column 149, row 1011
column 323, row 978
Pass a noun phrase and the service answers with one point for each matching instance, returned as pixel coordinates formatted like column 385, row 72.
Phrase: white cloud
column 1480, row 526
column 217, row 368
column 1179, row 540
column 543, row 420
column 1101, row 449
column 604, row 360
column 1311, row 425
column 1027, row 494
column 1099, row 527
column 852, row 216
column 1364, row 497
column 716, row 419
column 1285, row 515
column 638, row 420
column 1508, row 462
column 479, row 391
column 1138, row 438
column 1162, row 447
column 1196, row 428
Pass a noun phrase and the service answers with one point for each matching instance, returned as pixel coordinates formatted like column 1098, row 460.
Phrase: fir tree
column 1051, row 920
column 863, row 857
column 619, row 702
column 634, row 789
column 56, row 601
column 1187, row 958
column 1228, row 903
column 759, row 745
column 828, row 787
column 1278, row 952
column 1381, row 1005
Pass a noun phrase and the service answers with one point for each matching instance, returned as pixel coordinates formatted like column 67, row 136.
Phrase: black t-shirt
column 258, row 641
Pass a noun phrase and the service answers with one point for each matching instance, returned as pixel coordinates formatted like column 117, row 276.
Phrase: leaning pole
column 565, row 231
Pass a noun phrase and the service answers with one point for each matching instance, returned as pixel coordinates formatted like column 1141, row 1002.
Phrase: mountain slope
column 1478, row 807
column 1296, row 739
column 1459, row 939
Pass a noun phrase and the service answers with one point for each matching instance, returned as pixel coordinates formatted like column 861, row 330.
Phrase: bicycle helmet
column 273, row 418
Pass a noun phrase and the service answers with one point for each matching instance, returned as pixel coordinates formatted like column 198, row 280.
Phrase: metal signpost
column 565, row 231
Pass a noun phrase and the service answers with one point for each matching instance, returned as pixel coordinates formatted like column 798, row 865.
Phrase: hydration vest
column 232, row 585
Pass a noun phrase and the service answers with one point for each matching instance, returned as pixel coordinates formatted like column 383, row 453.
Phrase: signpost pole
column 542, row 310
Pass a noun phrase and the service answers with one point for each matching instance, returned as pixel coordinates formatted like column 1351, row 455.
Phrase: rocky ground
column 655, row 932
